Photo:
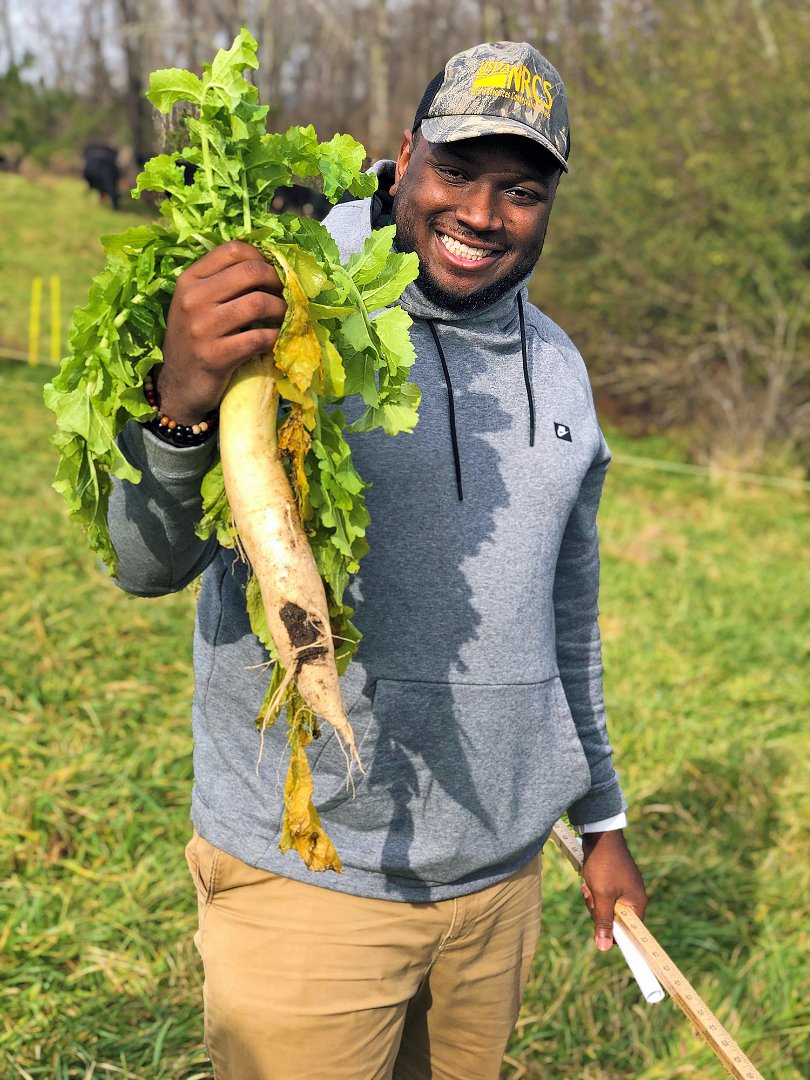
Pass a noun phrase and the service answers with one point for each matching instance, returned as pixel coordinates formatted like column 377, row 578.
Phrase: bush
column 38, row 121
column 682, row 259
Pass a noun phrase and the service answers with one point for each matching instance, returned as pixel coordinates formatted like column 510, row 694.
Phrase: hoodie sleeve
column 579, row 649
column 152, row 523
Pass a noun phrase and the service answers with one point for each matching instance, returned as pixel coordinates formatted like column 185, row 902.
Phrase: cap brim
column 445, row 129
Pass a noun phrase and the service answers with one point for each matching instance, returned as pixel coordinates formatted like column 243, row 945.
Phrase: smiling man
column 476, row 695
column 475, row 211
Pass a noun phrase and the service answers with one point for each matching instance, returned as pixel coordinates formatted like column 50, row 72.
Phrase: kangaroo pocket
column 458, row 778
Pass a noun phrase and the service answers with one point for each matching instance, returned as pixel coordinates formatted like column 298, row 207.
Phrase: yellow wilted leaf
column 307, row 268
column 297, row 352
column 303, row 402
column 302, row 825
column 294, row 440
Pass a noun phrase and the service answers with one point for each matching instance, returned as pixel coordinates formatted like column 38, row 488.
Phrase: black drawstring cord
column 526, row 378
column 451, row 405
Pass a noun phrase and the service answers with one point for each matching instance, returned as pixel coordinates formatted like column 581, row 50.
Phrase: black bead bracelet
column 170, row 430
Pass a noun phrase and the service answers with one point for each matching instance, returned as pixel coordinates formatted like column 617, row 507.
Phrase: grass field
column 705, row 620
column 51, row 226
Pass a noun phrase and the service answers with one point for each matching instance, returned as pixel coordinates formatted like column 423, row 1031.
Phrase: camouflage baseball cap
column 499, row 88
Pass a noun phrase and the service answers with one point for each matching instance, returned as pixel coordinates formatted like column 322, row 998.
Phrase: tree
column 7, row 35
column 138, row 112
column 378, row 124
column 682, row 242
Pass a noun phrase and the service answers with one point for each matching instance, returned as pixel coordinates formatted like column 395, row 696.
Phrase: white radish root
column 274, row 541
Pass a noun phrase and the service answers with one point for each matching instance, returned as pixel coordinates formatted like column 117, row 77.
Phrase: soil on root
column 306, row 633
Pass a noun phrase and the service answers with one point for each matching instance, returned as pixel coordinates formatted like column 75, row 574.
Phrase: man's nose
column 478, row 208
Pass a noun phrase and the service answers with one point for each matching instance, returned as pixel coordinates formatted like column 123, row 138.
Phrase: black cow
column 301, row 200
column 101, row 171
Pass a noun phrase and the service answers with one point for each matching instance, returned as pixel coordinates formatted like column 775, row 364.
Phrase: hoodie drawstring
column 451, row 408
column 451, row 403
column 526, row 377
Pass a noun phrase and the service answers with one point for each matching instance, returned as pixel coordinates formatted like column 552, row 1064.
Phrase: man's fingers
column 244, row 312
column 602, row 914
column 224, row 256
column 253, row 342
column 238, row 279
column 612, row 876
column 636, row 900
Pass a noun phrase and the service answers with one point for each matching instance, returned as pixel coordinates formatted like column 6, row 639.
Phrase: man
column 476, row 696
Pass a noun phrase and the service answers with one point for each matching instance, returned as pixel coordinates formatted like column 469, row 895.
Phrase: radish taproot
column 266, row 517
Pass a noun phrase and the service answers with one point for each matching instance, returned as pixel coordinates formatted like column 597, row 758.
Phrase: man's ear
column 402, row 162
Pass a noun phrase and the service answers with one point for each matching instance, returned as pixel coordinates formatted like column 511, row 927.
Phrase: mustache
column 463, row 232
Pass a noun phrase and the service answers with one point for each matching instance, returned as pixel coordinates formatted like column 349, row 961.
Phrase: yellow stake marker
column 34, row 316
column 674, row 982
column 56, row 318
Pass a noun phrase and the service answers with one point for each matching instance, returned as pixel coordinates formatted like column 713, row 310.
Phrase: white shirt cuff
column 618, row 821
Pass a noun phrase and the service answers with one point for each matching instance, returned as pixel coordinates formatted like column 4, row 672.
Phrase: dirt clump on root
column 306, row 633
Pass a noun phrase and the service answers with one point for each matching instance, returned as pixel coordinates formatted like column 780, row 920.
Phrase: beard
column 469, row 300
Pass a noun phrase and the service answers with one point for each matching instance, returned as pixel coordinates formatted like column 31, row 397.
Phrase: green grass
column 97, row 965
column 705, row 617
column 51, row 226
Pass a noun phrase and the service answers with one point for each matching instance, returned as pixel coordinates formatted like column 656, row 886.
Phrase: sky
column 25, row 17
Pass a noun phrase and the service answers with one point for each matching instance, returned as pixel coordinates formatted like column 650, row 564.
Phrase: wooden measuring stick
column 674, row 982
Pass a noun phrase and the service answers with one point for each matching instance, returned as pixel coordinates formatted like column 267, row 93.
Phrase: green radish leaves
column 359, row 348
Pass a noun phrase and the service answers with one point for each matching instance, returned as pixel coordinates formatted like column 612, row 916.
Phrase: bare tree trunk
column 378, row 78
column 5, row 27
column 187, row 10
column 544, row 24
column 495, row 22
column 50, row 42
column 93, row 30
column 230, row 15
column 131, row 15
column 265, row 32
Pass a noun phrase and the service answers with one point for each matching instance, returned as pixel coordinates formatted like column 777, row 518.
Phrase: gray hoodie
column 476, row 694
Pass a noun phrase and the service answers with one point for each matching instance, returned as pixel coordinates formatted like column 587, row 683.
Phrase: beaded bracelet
column 170, row 430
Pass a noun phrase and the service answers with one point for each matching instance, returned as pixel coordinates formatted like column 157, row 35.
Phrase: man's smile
column 463, row 254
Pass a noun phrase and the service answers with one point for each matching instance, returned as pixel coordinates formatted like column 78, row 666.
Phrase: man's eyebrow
column 469, row 156
column 451, row 151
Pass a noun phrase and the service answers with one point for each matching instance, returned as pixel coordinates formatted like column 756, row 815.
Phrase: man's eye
column 523, row 195
column 449, row 173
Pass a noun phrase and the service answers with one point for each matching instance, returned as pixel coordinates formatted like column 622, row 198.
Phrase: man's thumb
column 603, row 926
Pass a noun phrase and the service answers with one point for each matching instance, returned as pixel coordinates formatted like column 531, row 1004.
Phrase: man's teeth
column 462, row 250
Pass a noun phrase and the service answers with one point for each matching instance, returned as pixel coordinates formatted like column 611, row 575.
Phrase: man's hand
column 227, row 307
column 609, row 874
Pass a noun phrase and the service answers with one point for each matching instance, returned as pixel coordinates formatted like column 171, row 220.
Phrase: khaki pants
column 302, row 983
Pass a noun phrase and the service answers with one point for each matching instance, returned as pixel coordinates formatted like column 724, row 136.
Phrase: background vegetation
column 681, row 257
column 678, row 258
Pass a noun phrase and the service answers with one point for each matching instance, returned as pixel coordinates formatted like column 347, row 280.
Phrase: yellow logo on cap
column 515, row 81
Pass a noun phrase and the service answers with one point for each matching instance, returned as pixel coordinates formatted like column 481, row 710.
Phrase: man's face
column 475, row 212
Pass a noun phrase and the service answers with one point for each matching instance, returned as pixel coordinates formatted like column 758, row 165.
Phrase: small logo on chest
column 562, row 431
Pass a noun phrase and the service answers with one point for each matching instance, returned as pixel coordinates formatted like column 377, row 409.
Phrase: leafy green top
column 115, row 339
